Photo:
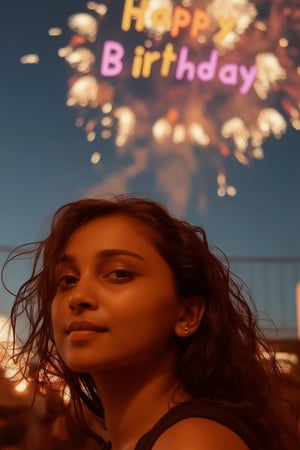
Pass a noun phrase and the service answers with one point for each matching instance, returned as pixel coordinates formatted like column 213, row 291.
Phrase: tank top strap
column 203, row 409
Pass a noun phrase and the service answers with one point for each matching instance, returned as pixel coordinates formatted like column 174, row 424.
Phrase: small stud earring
column 186, row 329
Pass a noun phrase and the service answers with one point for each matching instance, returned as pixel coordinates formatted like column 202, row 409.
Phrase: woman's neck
column 134, row 399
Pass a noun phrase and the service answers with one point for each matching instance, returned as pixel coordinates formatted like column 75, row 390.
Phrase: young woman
column 133, row 311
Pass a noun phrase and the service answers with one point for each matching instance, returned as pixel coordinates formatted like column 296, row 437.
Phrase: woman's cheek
column 56, row 316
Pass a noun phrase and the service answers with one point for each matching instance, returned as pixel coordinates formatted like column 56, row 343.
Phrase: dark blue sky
column 45, row 159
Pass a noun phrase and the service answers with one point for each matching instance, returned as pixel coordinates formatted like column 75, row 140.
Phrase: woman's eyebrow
column 106, row 253
column 116, row 252
column 66, row 259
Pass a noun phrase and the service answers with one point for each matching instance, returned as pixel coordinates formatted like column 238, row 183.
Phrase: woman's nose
column 82, row 298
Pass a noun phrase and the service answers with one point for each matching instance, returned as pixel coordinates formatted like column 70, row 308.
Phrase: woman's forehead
column 115, row 229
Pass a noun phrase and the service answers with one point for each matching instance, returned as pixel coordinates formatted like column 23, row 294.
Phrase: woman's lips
column 84, row 325
column 81, row 330
column 81, row 335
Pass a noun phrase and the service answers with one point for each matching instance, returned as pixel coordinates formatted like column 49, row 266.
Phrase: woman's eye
column 66, row 281
column 120, row 275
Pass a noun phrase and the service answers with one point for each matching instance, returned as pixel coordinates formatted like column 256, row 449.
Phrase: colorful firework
column 176, row 83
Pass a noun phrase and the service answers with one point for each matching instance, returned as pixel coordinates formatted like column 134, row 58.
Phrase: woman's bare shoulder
column 199, row 434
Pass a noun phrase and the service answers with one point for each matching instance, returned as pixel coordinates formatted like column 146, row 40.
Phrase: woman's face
column 116, row 303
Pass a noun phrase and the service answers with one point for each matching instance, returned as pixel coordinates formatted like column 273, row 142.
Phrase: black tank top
column 204, row 409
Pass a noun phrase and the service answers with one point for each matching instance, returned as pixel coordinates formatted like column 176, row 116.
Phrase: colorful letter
column 149, row 59
column 184, row 65
column 161, row 18
column 133, row 12
column 226, row 26
column 248, row 76
column 137, row 63
column 201, row 21
column 207, row 69
column 229, row 74
column 111, row 62
column 168, row 56
column 181, row 19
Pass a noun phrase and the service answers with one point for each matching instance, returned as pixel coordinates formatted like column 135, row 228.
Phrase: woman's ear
column 190, row 314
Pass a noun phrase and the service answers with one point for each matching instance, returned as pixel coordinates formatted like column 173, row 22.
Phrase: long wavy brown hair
column 224, row 361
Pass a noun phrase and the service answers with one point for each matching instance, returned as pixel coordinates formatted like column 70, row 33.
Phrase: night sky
column 45, row 159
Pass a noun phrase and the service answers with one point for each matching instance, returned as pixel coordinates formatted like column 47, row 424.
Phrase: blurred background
column 195, row 103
